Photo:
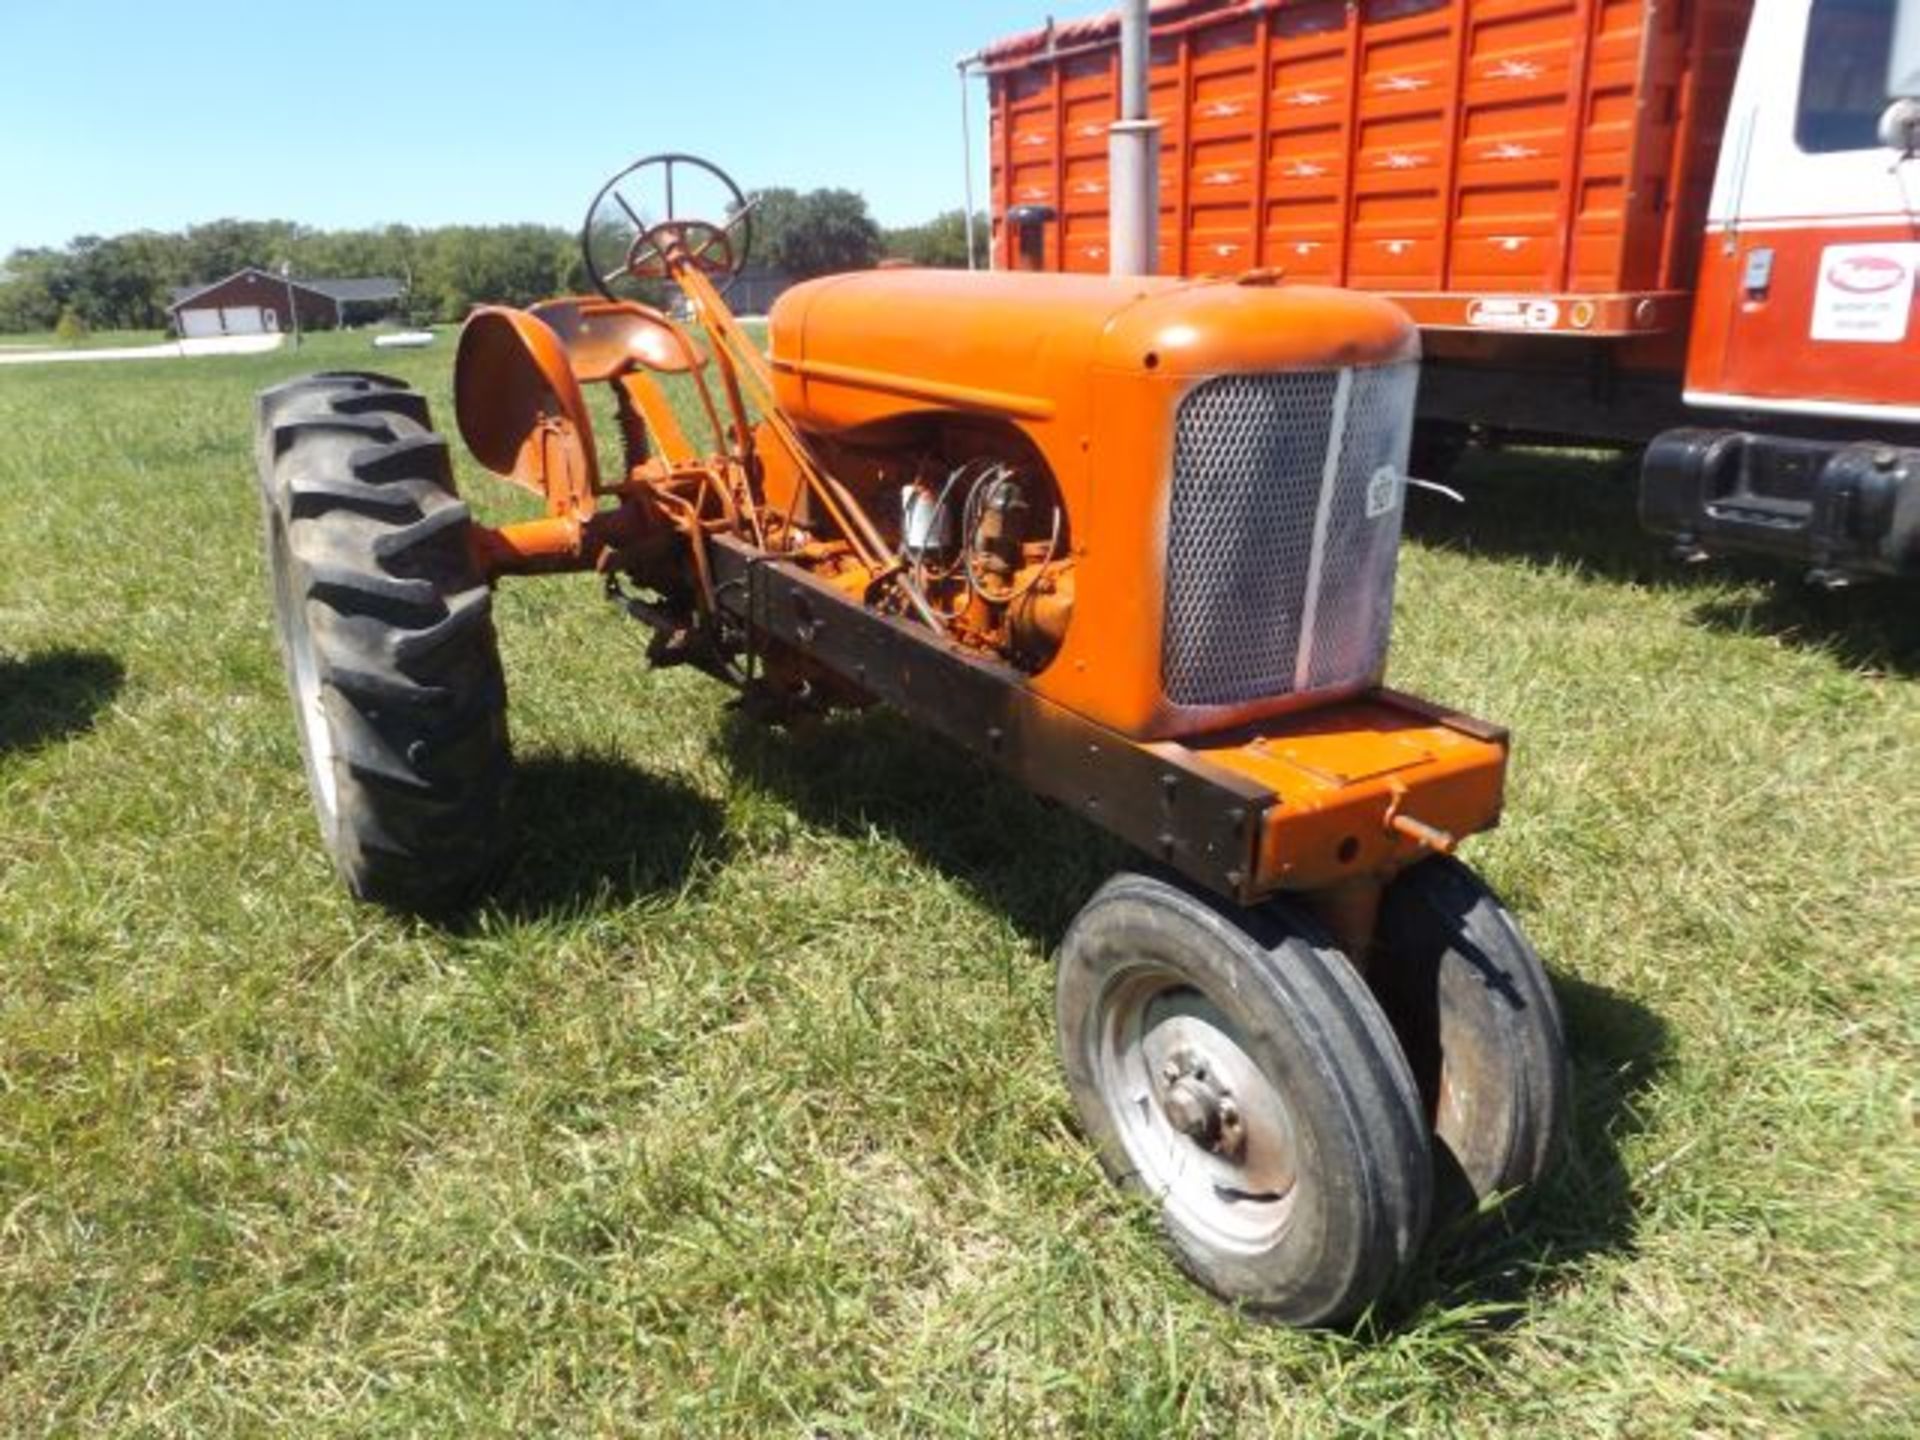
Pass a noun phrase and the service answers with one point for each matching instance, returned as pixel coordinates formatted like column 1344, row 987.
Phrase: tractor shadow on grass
column 592, row 830
column 53, row 695
column 1571, row 510
column 1037, row 864
column 1619, row 1049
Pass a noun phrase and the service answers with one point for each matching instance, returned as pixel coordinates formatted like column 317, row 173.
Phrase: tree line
column 124, row 282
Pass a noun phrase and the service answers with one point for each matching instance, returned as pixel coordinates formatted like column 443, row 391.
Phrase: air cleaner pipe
column 966, row 150
column 1133, row 155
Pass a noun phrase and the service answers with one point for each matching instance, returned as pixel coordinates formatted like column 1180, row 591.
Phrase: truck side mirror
column 1900, row 127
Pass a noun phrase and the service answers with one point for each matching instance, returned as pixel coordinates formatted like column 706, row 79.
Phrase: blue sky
column 116, row 116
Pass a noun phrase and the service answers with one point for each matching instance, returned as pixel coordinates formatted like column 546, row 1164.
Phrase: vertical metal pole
column 966, row 143
column 1133, row 155
column 293, row 306
column 1134, row 26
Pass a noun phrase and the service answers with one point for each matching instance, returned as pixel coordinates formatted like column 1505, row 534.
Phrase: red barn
column 254, row 301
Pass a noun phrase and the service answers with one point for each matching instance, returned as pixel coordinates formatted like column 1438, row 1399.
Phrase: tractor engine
column 1176, row 505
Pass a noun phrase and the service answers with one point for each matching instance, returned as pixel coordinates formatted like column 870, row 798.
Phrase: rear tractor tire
column 386, row 628
column 1474, row 1010
column 1233, row 1067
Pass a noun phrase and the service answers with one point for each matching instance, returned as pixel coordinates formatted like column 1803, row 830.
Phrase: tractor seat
column 606, row 338
column 519, row 371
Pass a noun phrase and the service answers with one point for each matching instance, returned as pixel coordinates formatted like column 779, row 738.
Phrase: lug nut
column 1233, row 1130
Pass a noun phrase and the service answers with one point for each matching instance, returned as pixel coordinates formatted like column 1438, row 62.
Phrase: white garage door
column 244, row 319
column 228, row 320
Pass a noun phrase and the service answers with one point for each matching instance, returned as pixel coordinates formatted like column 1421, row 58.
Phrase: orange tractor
column 1132, row 541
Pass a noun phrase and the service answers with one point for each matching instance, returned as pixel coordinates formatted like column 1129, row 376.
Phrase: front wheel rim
column 1206, row 1130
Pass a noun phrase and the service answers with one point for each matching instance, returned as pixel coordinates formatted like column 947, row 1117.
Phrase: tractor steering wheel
column 630, row 245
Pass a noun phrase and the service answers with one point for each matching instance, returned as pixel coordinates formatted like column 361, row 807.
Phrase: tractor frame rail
column 1339, row 796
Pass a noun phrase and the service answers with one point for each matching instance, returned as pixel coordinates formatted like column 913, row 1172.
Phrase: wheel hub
column 1200, row 1107
column 1204, row 1126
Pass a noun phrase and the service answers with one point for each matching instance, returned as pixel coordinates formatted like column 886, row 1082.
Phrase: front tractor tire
column 386, row 627
column 1233, row 1067
column 1470, row 1000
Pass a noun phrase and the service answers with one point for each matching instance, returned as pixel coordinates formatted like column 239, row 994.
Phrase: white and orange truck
column 1687, row 226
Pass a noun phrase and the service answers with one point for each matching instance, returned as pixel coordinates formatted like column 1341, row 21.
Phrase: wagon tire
column 1232, row 1067
column 1475, row 1012
column 386, row 629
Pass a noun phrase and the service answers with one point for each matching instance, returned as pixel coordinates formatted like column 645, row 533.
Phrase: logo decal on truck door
column 1866, row 274
column 1383, row 492
column 1865, row 294
column 1512, row 312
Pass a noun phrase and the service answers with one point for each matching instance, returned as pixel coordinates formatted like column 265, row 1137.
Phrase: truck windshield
column 1843, row 79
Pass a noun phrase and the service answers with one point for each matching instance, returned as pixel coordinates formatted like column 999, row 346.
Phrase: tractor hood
column 849, row 350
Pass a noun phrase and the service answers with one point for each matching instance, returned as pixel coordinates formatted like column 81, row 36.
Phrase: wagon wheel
column 1233, row 1067
column 661, row 209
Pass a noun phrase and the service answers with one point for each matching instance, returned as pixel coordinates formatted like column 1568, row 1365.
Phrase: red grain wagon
column 1565, row 194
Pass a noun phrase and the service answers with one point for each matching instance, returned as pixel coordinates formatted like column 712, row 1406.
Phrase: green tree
column 121, row 283
column 467, row 265
column 941, row 241
column 33, row 286
column 818, row 233
column 216, row 249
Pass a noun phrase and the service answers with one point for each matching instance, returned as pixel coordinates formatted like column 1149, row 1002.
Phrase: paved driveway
column 168, row 350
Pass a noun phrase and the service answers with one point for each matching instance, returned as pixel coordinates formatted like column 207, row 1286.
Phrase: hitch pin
column 1441, row 842
column 1422, row 833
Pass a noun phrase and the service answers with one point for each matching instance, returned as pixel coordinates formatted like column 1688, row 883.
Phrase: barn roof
column 346, row 291
column 373, row 287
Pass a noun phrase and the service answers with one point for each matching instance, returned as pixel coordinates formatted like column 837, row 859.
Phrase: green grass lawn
column 736, row 1114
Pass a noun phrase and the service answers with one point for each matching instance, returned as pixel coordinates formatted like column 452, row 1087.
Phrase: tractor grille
column 1283, row 531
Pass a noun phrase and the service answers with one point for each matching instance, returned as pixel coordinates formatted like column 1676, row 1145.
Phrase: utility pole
column 293, row 306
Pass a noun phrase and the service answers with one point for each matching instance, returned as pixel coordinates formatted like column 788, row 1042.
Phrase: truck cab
column 1803, row 365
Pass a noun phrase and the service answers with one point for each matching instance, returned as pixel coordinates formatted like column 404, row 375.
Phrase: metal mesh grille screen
column 1282, row 533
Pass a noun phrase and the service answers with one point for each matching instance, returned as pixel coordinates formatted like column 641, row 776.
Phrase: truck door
column 1807, row 280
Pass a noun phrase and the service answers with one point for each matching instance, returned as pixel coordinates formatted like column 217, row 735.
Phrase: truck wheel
column 386, row 628
column 1470, row 1000
column 1233, row 1067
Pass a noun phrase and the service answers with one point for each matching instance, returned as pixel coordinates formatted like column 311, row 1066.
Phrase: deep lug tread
column 465, row 614
column 365, row 377
column 423, row 531
column 405, row 458
column 398, row 621
column 410, row 403
column 376, row 688
column 288, row 433
column 346, row 588
column 314, row 495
